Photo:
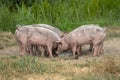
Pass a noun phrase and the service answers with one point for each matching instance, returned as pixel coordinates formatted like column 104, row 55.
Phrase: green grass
column 15, row 67
column 66, row 15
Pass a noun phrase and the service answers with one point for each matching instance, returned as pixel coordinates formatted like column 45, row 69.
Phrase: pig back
column 42, row 35
column 84, row 33
column 60, row 33
column 88, row 30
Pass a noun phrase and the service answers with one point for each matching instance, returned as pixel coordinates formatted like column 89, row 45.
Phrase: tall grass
column 63, row 14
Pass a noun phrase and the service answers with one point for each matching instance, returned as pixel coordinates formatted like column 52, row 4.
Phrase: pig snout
column 57, row 52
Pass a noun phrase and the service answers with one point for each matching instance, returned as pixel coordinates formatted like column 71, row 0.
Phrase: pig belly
column 84, row 41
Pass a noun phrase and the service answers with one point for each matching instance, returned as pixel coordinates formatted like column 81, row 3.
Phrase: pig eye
column 62, row 36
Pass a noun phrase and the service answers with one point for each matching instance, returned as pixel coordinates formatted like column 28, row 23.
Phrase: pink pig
column 86, row 34
column 23, row 32
column 43, row 37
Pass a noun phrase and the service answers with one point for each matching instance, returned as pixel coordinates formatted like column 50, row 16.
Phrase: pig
column 43, row 37
column 56, row 30
column 21, row 35
column 86, row 34
column 95, row 26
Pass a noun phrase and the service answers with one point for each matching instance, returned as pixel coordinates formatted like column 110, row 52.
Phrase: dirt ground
column 111, row 46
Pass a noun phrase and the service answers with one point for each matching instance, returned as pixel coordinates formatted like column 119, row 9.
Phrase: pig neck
column 67, row 40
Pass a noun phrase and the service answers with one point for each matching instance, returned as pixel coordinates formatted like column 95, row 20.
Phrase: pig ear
column 59, row 42
column 18, row 26
column 62, row 36
column 104, row 29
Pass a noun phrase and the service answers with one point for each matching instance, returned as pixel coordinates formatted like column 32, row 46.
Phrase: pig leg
column 50, row 50
column 102, row 51
column 100, row 48
column 36, row 50
column 96, row 47
column 30, row 48
column 74, row 50
column 79, row 50
column 42, row 50
column 91, row 47
column 46, row 52
column 27, row 49
column 22, row 50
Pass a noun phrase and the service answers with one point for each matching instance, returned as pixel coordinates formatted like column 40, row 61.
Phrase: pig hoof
column 79, row 55
column 21, row 55
column 76, row 57
column 94, row 55
column 98, row 55
column 51, row 56
column 55, row 55
column 90, row 50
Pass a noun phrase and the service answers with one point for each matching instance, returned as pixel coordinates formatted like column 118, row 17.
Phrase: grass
column 14, row 67
column 6, row 39
column 66, row 15
column 113, row 32
column 95, row 76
